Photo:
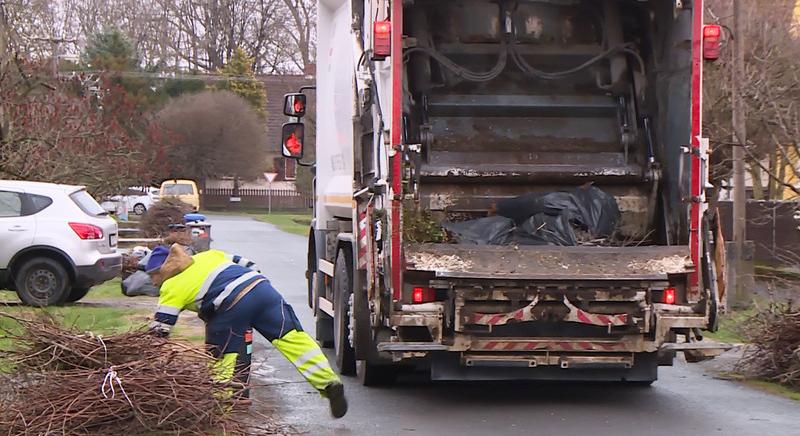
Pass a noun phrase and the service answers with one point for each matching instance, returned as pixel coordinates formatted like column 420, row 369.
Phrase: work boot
column 335, row 394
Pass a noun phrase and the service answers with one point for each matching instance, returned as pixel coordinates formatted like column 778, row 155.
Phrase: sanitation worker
column 231, row 296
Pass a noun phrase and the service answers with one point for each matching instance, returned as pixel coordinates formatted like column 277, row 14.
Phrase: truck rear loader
column 433, row 112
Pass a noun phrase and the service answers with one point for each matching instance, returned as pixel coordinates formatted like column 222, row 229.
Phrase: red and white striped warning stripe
column 523, row 314
column 526, row 314
column 363, row 240
column 492, row 345
column 583, row 317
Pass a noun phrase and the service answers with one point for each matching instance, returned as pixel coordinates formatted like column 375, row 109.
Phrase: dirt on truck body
column 448, row 112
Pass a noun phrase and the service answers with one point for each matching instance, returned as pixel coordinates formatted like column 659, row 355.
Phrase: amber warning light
column 382, row 39
column 712, row 35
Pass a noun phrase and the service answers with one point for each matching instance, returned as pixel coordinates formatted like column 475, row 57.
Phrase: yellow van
column 184, row 190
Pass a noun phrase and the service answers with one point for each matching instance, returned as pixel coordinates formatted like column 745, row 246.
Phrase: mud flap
column 709, row 272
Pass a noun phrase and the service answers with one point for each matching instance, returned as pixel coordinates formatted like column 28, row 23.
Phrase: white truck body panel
column 335, row 110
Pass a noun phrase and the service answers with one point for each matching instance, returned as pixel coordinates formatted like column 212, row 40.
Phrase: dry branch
column 775, row 350
column 67, row 382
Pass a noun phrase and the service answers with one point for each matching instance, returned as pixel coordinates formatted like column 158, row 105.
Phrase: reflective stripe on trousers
column 304, row 353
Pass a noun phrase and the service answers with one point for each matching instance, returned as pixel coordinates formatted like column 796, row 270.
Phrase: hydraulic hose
column 460, row 71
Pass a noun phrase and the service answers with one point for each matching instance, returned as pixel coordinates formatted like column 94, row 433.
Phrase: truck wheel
column 370, row 374
column 343, row 292
column 139, row 209
column 76, row 294
column 42, row 281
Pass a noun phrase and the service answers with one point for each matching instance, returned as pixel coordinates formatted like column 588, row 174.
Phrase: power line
column 211, row 77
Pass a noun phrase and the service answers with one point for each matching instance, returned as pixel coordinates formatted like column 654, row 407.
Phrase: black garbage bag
column 595, row 210
column 523, row 207
column 493, row 230
column 587, row 207
column 139, row 283
column 544, row 229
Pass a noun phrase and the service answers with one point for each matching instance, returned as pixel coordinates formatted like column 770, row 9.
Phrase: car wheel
column 139, row 209
column 76, row 294
column 343, row 292
column 42, row 282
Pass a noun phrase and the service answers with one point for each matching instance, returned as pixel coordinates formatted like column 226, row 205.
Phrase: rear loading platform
column 546, row 313
column 548, row 263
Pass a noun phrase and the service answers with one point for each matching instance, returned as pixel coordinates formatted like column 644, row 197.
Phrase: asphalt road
column 685, row 400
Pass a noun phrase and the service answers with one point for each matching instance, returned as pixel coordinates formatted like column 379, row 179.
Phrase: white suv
column 56, row 242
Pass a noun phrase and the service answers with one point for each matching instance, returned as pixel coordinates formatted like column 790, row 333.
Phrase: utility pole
column 740, row 141
column 4, row 59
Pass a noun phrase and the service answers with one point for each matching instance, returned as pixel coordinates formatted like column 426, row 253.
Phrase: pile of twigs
column 130, row 265
column 774, row 353
column 67, row 382
column 155, row 223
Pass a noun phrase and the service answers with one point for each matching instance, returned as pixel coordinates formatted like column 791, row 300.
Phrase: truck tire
column 343, row 292
column 139, row 209
column 42, row 281
column 75, row 294
column 370, row 374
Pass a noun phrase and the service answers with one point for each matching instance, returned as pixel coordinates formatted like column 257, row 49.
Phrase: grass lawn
column 99, row 319
column 105, row 291
column 730, row 331
column 730, row 327
column 288, row 222
column 774, row 388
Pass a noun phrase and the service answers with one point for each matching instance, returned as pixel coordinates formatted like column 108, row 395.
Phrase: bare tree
column 771, row 92
column 57, row 136
column 175, row 35
column 215, row 133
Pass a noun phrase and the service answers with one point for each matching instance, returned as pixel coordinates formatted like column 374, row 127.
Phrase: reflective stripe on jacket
column 210, row 283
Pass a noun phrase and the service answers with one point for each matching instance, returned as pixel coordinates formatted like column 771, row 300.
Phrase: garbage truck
column 510, row 189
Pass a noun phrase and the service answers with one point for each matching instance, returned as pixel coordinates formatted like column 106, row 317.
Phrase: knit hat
column 157, row 258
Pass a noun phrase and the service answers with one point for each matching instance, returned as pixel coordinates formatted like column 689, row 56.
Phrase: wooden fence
column 282, row 199
column 773, row 226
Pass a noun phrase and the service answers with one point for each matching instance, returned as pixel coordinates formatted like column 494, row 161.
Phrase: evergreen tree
column 242, row 81
column 110, row 50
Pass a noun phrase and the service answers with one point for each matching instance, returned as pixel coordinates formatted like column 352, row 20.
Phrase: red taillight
column 382, row 39
column 87, row 231
column 712, row 31
column 711, row 41
column 422, row 295
column 669, row 295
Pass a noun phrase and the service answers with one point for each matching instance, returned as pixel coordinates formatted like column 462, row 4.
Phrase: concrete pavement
column 684, row 401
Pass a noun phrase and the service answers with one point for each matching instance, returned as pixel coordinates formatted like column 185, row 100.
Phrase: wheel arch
column 42, row 251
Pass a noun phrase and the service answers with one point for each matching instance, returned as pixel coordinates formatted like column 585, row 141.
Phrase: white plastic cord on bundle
column 111, row 375
column 108, row 385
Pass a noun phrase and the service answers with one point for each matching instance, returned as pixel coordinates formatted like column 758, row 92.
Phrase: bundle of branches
column 68, row 382
column 130, row 265
column 155, row 223
column 775, row 351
